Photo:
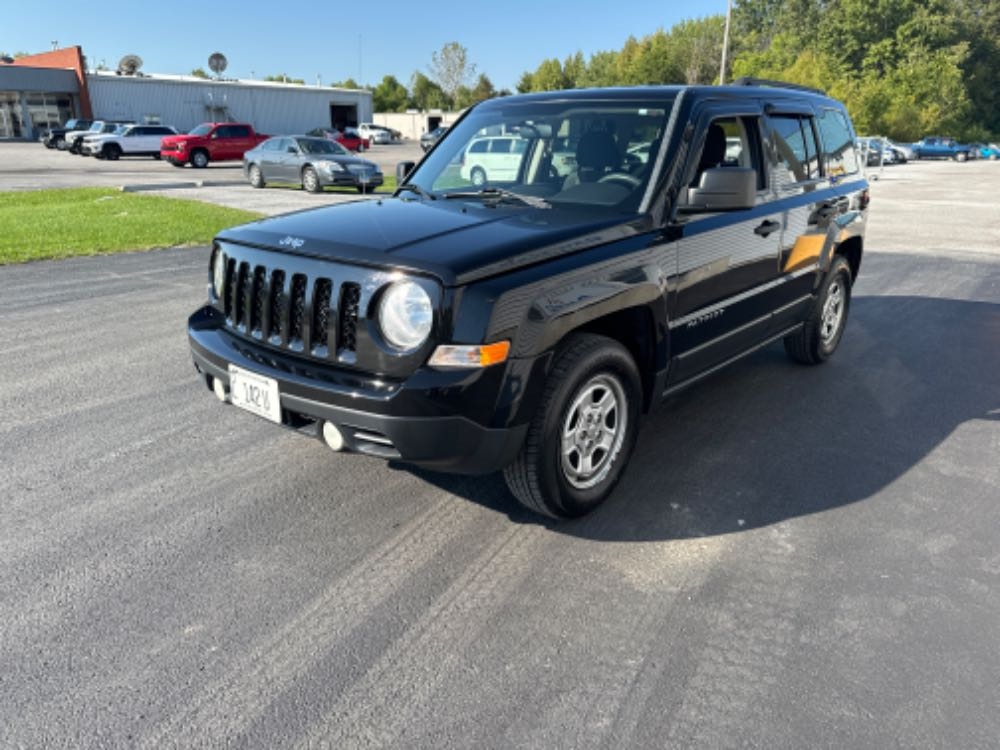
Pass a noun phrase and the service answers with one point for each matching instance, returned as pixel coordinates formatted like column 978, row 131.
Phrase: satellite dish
column 129, row 65
column 217, row 63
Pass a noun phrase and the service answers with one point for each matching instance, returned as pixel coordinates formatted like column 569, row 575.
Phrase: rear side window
column 839, row 153
column 796, row 149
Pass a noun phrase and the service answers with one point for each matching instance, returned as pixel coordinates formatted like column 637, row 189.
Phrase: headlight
column 405, row 315
column 219, row 274
column 330, row 166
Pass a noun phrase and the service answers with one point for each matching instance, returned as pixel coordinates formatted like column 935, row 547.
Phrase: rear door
column 813, row 158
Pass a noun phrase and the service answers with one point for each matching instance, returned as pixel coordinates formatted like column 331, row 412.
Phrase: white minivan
column 493, row 158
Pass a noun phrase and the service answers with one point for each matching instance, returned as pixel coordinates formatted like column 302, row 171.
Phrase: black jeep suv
column 525, row 323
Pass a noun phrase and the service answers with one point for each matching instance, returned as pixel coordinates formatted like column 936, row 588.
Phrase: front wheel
column 581, row 438
column 256, row 177
column 818, row 338
column 199, row 159
column 310, row 180
column 112, row 152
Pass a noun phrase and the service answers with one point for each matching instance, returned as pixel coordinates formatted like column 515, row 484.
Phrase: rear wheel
column 818, row 338
column 478, row 176
column 310, row 180
column 581, row 438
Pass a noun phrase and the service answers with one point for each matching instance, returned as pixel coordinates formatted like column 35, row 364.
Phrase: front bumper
column 433, row 419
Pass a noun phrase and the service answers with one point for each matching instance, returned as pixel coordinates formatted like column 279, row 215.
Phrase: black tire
column 593, row 381
column 112, row 151
column 256, row 177
column 199, row 159
column 310, row 181
column 818, row 338
column 478, row 176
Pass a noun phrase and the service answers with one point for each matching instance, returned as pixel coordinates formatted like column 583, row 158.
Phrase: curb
column 180, row 185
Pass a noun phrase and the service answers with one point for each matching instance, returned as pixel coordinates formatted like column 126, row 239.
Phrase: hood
column 457, row 241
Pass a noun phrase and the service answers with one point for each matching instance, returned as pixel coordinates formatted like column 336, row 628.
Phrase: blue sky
column 377, row 38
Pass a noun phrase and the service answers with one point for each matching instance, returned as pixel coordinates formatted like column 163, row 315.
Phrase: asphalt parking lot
column 30, row 166
column 796, row 557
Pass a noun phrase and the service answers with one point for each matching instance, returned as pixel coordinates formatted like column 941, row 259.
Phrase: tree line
column 904, row 68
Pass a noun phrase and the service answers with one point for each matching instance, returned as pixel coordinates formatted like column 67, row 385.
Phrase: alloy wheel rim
column 833, row 312
column 593, row 432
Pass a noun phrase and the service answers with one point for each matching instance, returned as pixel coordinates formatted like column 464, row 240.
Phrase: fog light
column 332, row 436
column 219, row 388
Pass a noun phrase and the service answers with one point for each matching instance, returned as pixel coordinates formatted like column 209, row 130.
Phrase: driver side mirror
column 722, row 189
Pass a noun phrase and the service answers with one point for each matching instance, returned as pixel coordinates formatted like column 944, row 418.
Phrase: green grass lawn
column 41, row 224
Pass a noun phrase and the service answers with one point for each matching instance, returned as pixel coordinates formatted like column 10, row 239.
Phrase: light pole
column 725, row 42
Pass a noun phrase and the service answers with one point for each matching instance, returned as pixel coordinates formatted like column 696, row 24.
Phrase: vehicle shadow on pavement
column 768, row 440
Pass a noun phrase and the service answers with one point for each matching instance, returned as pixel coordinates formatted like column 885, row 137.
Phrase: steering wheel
column 630, row 180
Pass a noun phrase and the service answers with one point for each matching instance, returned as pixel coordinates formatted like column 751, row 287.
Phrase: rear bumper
column 422, row 420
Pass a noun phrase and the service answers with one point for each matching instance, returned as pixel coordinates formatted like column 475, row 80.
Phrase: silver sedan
column 313, row 163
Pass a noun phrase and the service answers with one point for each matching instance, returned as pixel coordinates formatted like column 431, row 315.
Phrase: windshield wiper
column 493, row 196
column 415, row 188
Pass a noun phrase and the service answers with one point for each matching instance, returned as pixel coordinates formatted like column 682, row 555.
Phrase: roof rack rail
column 751, row 81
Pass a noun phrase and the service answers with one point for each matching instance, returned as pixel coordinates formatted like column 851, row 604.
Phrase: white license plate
column 255, row 393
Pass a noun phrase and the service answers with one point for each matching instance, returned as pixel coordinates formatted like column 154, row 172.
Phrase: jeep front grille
column 290, row 310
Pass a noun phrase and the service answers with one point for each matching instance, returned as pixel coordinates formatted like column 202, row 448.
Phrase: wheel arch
column 852, row 250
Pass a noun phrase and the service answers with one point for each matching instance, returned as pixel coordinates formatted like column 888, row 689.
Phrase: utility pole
column 725, row 42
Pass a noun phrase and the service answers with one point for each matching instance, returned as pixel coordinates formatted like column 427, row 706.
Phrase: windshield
column 322, row 146
column 596, row 153
column 203, row 129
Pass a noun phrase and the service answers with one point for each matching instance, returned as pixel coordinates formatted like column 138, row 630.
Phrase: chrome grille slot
column 298, row 328
column 350, row 297
column 321, row 318
column 257, row 302
column 276, row 306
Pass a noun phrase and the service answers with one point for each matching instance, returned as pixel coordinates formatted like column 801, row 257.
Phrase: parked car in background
column 492, row 159
column 428, row 139
column 210, row 141
column 938, row 147
column 989, row 151
column 56, row 137
column 74, row 138
column 904, row 151
column 374, row 133
column 877, row 151
column 127, row 140
column 310, row 161
column 983, row 151
column 349, row 138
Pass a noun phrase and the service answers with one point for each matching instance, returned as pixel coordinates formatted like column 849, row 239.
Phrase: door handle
column 766, row 227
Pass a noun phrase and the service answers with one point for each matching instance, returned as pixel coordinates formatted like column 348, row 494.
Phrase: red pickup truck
column 210, row 141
